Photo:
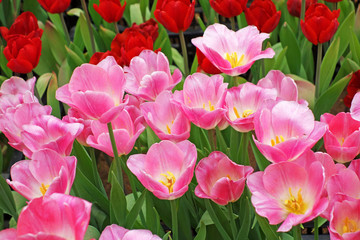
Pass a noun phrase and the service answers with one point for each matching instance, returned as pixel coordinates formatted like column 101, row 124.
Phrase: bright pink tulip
column 74, row 116
column 8, row 234
column 355, row 107
column 284, row 130
column 55, row 217
column 289, row 193
column 125, row 132
column 285, row 86
column 50, row 132
column 202, row 99
column 342, row 139
column 149, row 74
column 242, row 102
column 220, row 179
column 115, row 232
column 167, row 169
column 231, row 52
column 47, row 173
column 166, row 119
column 95, row 90
column 345, row 221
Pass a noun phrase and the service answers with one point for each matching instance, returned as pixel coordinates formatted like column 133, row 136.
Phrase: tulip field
column 179, row 119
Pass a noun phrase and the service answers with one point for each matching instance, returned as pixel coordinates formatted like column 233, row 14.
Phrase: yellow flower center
column 350, row 226
column 168, row 129
column 44, row 188
column 277, row 140
column 170, row 181
column 245, row 113
column 211, row 107
column 234, row 60
column 295, row 205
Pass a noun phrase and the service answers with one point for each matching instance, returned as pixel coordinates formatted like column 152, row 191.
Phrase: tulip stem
column 174, row 219
column 297, row 232
column 184, row 53
column 116, row 154
column 302, row 16
column 216, row 221
column 232, row 220
column 317, row 76
column 87, row 16
column 232, row 22
column 116, row 28
column 316, row 228
column 243, row 157
column 66, row 32
column 212, row 139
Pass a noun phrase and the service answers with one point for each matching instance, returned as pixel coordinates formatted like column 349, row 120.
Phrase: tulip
column 10, row 233
column 110, row 10
column 242, row 102
column 294, row 6
column 47, row 173
column 220, row 179
column 175, row 15
column 285, row 130
column 23, row 53
column 263, row 14
column 320, row 23
column 205, row 65
column 167, row 169
column 74, row 116
column 95, row 90
column 228, row 8
column 289, row 193
column 99, row 56
column 202, row 99
column 57, row 216
column 237, row 51
column 342, row 139
column 166, row 119
column 126, row 131
column 355, row 107
column 149, row 74
column 115, row 232
column 352, row 88
column 55, row 6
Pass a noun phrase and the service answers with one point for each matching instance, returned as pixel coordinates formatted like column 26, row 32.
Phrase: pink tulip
column 115, row 232
column 50, row 132
column 285, row 130
column 57, row 216
column 74, row 116
column 202, row 99
column 47, row 173
column 95, row 90
column 220, row 179
column 355, row 107
column 8, row 234
column 345, row 221
column 231, row 52
column 242, row 102
column 289, row 193
column 167, row 169
column 285, row 86
column 149, row 74
column 342, row 139
column 125, row 132
column 166, row 119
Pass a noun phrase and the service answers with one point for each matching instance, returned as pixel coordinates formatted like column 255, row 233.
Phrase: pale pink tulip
column 355, row 107
column 202, row 99
column 50, row 132
column 242, row 102
column 166, row 119
column 8, row 234
column 149, row 74
column 345, row 221
column 220, row 179
column 125, row 132
column 342, row 139
column 47, row 173
column 284, row 130
column 75, row 116
column 55, row 217
column 115, row 232
column 167, row 169
column 231, row 52
column 95, row 90
column 289, row 193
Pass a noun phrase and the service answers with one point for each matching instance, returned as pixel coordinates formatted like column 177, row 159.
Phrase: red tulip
column 205, row 65
column 320, row 23
column 55, row 6
column 294, row 6
column 263, row 14
column 110, row 10
column 23, row 53
column 99, row 56
column 25, row 24
column 228, row 8
column 175, row 15
column 352, row 88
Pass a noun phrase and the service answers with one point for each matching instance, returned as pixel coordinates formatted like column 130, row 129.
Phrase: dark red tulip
column 294, row 6
column 352, row 88
column 228, row 8
column 263, row 14
column 55, row 6
column 205, row 65
column 110, row 10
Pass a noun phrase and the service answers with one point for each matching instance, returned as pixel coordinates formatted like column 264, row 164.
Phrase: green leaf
column 95, row 17
column 325, row 102
column 201, row 235
column 166, row 236
column 55, row 38
column 75, row 12
column 135, row 13
column 178, row 59
column 280, row 59
column 7, row 202
column 107, row 36
column 346, row 8
column 19, row 200
column 269, row 230
column 221, row 142
column 42, row 83
column 344, row 32
column 261, row 161
column 51, row 100
column 85, row 34
column 293, row 54
column 163, row 42
column 64, row 73
column 151, row 137
column 118, row 210
column 245, row 223
column 3, row 62
column 56, row 20
column 134, row 212
column 34, row 7
column 307, row 59
column 73, row 59
column 355, row 48
column 91, row 233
